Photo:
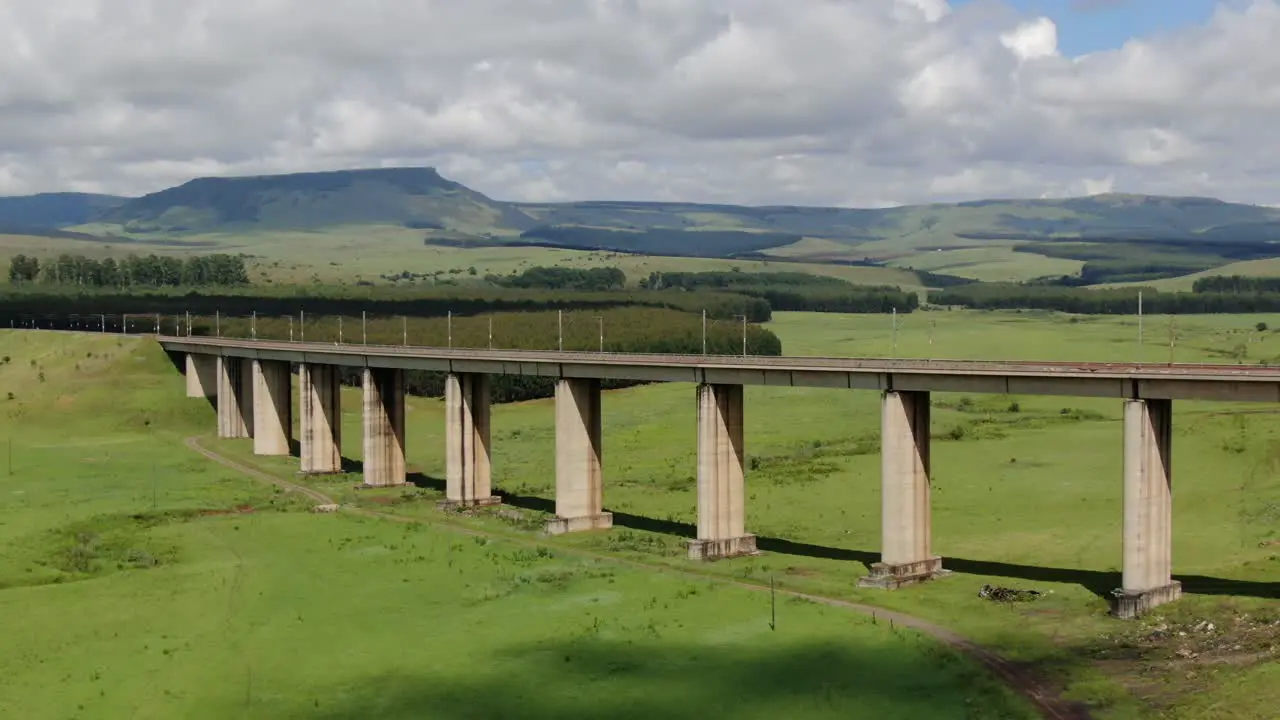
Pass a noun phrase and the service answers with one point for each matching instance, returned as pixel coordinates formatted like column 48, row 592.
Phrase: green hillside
column 415, row 197
column 407, row 214
column 35, row 214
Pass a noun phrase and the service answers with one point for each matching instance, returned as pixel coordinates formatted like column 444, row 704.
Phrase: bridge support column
column 579, row 481
column 1148, row 509
column 466, row 401
column 235, row 392
column 721, row 501
column 202, row 375
column 272, row 407
column 906, row 554
column 383, row 427
column 320, row 403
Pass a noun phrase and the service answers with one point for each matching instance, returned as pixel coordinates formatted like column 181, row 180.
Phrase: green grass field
column 1268, row 267
column 996, row 263
column 279, row 613
column 141, row 580
column 368, row 252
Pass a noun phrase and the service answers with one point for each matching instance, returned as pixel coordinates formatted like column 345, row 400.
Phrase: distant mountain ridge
column 419, row 197
column 31, row 213
column 412, row 196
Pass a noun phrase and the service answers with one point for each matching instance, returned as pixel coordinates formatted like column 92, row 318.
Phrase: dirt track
column 1050, row 704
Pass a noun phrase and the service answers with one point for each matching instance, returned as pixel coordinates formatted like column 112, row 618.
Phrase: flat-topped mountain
column 418, row 197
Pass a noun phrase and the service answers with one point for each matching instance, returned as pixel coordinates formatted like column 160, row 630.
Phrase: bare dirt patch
column 237, row 510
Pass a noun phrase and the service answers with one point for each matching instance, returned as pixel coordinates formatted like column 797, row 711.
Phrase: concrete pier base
column 579, row 475
column 320, row 404
column 560, row 526
column 721, row 487
column 892, row 577
column 272, row 407
column 467, row 459
column 906, row 554
column 1129, row 605
column 235, row 398
column 383, row 427
column 1148, row 509
column 722, row 549
column 202, row 376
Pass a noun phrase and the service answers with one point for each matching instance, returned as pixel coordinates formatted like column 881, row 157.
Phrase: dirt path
column 1047, row 701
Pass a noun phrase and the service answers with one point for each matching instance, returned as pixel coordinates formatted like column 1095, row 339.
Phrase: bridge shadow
column 1098, row 582
column 351, row 466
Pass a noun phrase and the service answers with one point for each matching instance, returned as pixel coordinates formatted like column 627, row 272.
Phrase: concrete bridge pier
column 320, row 404
column 202, row 376
column 579, row 480
column 1148, row 509
column 721, row 488
column 906, row 554
column 467, row 456
column 272, row 407
column 235, row 394
column 383, row 427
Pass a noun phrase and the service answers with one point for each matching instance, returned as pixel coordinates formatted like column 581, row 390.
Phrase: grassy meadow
column 351, row 254
column 1027, row 494
column 280, row 613
column 141, row 580
column 992, row 262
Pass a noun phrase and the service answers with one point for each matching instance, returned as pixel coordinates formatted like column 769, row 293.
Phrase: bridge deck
column 1119, row 380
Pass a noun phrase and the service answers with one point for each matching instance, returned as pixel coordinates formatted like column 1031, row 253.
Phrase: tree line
column 619, row 330
column 18, row 302
column 1236, row 284
column 989, row 296
column 792, row 291
column 131, row 271
column 601, row 279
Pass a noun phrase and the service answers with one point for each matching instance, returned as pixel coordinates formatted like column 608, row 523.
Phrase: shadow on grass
column 591, row 677
column 1099, row 582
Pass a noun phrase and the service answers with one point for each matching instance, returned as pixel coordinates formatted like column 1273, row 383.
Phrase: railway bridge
column 252, row 382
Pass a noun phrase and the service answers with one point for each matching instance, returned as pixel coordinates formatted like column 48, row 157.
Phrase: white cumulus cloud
column 864, row 102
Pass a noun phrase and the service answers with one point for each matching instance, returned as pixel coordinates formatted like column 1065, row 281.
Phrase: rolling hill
column 1008, row 239
column 33, row 214
column 415, row 197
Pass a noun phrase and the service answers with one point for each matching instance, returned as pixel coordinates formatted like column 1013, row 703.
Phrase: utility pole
column 253, row 324
column 451, row 328
column 188, row 323
column 560, row 322
column 404, row 330
column 290, row 328
column 1139, row 326
column 302, row 325
column 339, row 329
column 1172, row 337
column 704, row 331
column 490, row 332
column 217, row 322
column 364, row 328
column 601, row 319
column 895, row 332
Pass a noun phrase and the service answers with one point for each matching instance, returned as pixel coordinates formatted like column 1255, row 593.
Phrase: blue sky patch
column 1090, row 25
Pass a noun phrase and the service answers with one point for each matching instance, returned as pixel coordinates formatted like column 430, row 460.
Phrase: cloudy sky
column 849, row 102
